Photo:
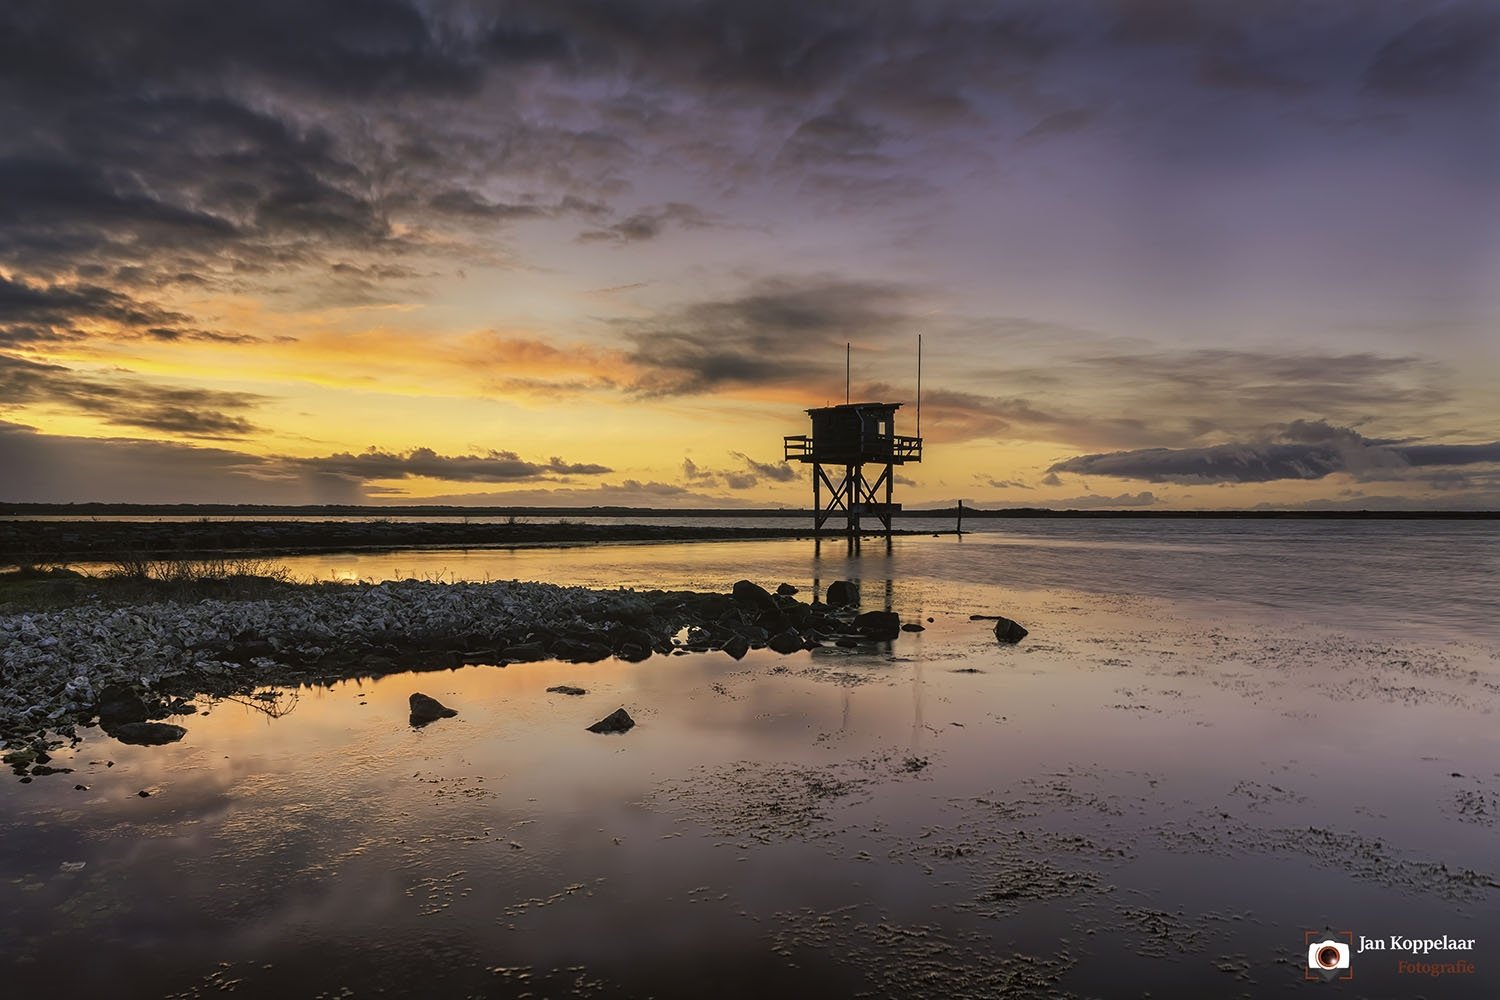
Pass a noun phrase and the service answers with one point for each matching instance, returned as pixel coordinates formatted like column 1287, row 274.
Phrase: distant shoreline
column 35, row 543
column 250, row 511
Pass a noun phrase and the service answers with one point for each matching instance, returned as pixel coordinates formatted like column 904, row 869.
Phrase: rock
column 622, row 637
column 618, row 721
column 148, row 734
column 1008, row 631
column 753, row 595
column 19, row 758
column 631, row 653
column 144, row 794
column 773, row 622
column 565, row 689
column 118, row 705
column 847, row 643
column 737, row 646
column 786, row 590
column 425, row 710
column 41, row 770
column 786, row 642
column 580, row 651
column 878, row 625
column 712, row 605
column 526, row 652
column 913, row 627
column 842, row 594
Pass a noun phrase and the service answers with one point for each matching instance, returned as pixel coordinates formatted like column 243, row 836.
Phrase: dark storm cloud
column 127, row 401
column 1300, row 450
column 276, row 134
column 781, row 331
column 490, row 467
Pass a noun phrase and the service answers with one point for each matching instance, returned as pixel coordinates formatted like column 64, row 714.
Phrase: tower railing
column 895, row 448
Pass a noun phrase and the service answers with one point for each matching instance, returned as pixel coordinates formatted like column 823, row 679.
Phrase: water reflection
column 1125, row 797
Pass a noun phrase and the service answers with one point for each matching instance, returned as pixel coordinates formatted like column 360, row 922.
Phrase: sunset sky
column 1162, row 254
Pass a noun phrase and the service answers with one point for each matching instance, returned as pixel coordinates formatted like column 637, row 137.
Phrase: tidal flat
column 1148, row 794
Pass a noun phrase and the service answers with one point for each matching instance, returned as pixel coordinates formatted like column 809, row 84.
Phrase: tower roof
column 855, row 407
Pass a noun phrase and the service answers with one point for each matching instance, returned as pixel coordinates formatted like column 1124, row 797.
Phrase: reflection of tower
column 845, row 439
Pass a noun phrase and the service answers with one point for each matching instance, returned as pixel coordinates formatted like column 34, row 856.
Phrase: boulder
column 118, row 705
column 148, row 734
column 425, row 710
column 1008, row 631
column 913, row 627
column 878, row 625
column 618, row 721
column 566, row 689
column 525, row 652
column 753, row 595
column 737, row 646
column 773, row 622
column 624, row 636
column 786, row 590
column 632, row 653
column 786, row 642
column 842, row 594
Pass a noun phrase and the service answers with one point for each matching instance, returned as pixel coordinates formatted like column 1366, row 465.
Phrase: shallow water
column 1160, row 791
column 1433, row 578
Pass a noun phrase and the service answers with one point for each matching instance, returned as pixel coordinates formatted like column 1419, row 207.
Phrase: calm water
column 1217, row 738
column 1436, row 578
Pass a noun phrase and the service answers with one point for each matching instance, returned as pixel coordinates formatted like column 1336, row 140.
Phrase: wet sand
column 1137, row 798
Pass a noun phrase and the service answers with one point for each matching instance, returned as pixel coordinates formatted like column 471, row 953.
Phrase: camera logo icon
column 1328, row 955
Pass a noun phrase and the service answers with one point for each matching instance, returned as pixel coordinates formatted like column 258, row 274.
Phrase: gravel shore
column 55, row 665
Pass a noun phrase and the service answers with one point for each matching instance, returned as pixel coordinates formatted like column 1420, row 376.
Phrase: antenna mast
column 919, row 385
column 848, row 349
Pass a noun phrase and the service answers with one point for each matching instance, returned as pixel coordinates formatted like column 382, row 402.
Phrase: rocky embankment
column 65, row 668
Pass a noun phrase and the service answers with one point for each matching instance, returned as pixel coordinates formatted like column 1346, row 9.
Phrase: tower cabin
column 843, row 441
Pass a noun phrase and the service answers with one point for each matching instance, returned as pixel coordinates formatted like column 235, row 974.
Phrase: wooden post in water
column 960, row 517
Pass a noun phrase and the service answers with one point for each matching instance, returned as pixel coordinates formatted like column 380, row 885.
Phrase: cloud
column 752, row 473
column 59, row 313
column 126, row 400
column 1454, row 50
column 627, row 493
column 648, row 224
column 51, row 468
column 783, row 331
column 491, row 467
column 1145, row 498
column 1304, row 450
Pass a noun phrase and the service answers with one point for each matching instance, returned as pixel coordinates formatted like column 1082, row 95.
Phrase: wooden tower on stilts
column 844, row 440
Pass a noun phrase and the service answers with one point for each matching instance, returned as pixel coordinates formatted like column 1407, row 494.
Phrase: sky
column 1161, row 253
